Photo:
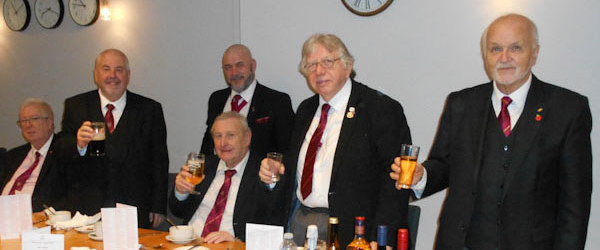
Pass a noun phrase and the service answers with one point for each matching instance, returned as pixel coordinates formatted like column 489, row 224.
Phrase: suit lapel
column 255, row 104
column 48, row 161
column 14, row 162
column 479, row 110
column 526, row 128
column 246, row 188
column 94, row 110
column 347, row 130
column 305, row 116
column 122, row 135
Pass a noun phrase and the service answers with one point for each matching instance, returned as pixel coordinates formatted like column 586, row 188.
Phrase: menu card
column 119, row 228
column 41, row 239
column 263, row 237
column 15, row 215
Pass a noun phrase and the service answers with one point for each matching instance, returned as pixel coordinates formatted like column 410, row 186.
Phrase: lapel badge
column 351, row 112
column 538, row 117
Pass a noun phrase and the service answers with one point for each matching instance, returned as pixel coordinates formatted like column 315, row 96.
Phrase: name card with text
column 119, row 228
column 15, row 215
column 41, row 239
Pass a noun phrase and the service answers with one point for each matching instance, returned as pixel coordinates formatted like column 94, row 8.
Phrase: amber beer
column 195, row 163
column 408, row 163
column 96, row 146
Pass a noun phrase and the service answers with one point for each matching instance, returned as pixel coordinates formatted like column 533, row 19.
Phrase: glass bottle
column 381, row 237
column 333, row 239
column 288, row 242
column 403, row 239
column 359, row 242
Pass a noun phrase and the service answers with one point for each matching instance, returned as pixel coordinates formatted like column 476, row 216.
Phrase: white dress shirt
column 515, row 108
column 199, row 218
column 246, row 96
column 29, row 185
column 325, row 154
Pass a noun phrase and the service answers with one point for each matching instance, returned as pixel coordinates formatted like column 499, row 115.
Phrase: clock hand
column 18, row 9
column 51, row 10
column 11, row 4
column 82, row 4
column 79, row 5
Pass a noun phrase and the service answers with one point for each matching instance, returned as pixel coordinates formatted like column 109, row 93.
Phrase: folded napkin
column 82, row 248
column 78, row 220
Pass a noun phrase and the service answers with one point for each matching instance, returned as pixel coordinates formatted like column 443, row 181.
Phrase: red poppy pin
column 538, row 117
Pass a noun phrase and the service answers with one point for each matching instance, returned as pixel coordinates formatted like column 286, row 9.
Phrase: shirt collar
column 518, row 96
column 44, row 150
column 247, row 93
column 340, row 99
column 239, row 167
column 119, row 104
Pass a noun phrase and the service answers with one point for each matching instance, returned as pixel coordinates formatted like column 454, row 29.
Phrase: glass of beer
column 96, row 146
column 278, row 157
column 408, row 163
column 195, row 163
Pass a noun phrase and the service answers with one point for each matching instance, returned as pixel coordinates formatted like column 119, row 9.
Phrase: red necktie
column 311, row 154
column 109, row 118
column 213, row 221
column 234, row 103
column 20, row 181
column 504, row 117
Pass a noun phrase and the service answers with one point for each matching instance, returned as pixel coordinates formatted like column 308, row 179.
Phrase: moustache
column 505, row 65
column 112, row 80
column 237, row 77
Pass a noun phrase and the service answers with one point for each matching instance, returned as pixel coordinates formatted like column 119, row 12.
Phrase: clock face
column 366, row 7
column 16, row 14
column 84, row 12
column 49, row 13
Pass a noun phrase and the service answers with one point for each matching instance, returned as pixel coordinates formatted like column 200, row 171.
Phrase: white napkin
column 78, row 220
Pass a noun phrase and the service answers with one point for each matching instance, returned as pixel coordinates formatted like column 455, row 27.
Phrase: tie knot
column 229, row 173
column 506, row 101
column 325, row 108
column 110, row 107
column 236, row 98
column 37, row 154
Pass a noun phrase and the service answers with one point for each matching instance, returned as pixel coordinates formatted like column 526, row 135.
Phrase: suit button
column 499, row 203
column 505, row 147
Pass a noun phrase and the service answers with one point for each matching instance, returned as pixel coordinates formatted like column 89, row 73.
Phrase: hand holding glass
column 96, row 146
column 278, row 157
column 408, row 163
column 195, row 163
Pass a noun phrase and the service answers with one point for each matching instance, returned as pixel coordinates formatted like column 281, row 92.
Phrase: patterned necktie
column 234, row 103
column 109, row 118
column 311, row 154
column 504, row 117
column 20, row 181
column 213, row 221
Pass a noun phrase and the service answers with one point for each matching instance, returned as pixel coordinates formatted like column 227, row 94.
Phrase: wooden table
column 148, row 238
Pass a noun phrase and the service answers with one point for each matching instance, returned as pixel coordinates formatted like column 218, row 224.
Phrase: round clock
column 366, row 7
column 16, row 14
column 84, row 12
column 49, row 13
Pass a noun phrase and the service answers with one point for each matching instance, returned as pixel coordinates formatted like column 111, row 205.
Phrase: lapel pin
column 351, row 112
column 538, row 117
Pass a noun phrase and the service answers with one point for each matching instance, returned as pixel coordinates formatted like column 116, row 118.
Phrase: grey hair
column 332, row 43
column 99, row 57
column 39, row 102
column 232, row 115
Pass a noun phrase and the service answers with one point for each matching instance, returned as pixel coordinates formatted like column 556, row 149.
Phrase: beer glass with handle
column 408, row 163
column 195, row 163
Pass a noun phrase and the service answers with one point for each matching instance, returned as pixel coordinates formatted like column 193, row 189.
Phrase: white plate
column 93, row 236
column 185, row 241
column 85, row 229
column 195, row 248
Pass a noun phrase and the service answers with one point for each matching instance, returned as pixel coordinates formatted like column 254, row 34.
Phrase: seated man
column 35, row 168
column 230, row 194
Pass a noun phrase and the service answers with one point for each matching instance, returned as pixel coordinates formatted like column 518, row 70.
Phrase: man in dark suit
column 343, row 141
column 217, row 217
column 134, row 170
column 36, row 167
column 269, row 112
column 515, row 154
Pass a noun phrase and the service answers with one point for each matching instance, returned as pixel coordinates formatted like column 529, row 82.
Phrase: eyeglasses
column 326, row 63
column 32, row 120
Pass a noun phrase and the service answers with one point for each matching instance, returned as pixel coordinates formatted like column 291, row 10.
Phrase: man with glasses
column 343, row 141
column 269, row 112
column 36, row 167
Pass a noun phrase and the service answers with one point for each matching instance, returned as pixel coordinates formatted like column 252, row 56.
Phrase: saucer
column 93, row 236
column 195, row 248
column 184, row 241
column 85, row 229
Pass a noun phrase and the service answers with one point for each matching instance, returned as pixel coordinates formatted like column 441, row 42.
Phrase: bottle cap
column 382, row 235
column 288, row 236
column 333, row 220
column 312, row 232
column 402, row 238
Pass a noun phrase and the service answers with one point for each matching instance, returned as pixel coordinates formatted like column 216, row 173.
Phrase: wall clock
column 16, row 14
column 84, row 12
column 49, row 13
column 366, row 7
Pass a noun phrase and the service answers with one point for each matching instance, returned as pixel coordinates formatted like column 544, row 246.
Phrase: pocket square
column 262, row 120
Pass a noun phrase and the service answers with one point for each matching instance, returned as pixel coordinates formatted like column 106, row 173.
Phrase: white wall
column 174, row 48
column 419, row 51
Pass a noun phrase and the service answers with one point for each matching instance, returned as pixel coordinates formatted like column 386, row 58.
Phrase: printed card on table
column 41, row 239
column 15, row 215
column 263, row 237
column 119, row 228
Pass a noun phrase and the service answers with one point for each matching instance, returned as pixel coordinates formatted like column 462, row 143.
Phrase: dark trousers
column 305, row 216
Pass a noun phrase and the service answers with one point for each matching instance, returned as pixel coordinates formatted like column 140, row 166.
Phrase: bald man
column 269, row 112
column 514, row 153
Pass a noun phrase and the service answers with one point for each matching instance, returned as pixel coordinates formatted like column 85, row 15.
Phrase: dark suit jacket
column 270, row 118
column 360, row 183
column 546, row 197
column 52, row 183
column 135, row 168
column 249, row 204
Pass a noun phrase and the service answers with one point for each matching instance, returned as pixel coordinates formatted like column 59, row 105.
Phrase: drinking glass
column 96, row 146
column 195, row 163
column 278, row 157
column 408, row 163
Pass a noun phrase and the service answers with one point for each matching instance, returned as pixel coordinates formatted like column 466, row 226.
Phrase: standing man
column 135, row 168
column 37, row 167
column 515, row 154
column 269, row 112
column 230, row 194
column 343, row 141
